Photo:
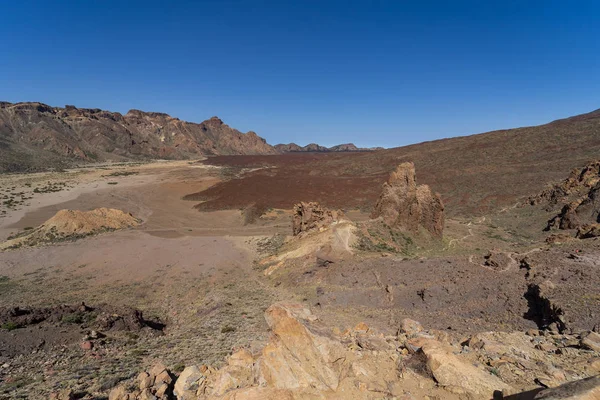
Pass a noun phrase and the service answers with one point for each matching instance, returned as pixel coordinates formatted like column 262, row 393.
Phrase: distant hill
column 474, row 174
column 315, row 148
column 35, row 136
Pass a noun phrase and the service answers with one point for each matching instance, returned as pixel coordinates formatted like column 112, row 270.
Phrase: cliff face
column 36, row 136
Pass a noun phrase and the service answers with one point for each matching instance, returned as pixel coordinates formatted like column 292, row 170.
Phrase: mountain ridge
column 316, row 148
column 36, row 136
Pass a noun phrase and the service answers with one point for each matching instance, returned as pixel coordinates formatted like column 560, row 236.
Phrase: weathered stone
column 121, row 393
column 312, row 216
column 459, row 376
column 410, row 327
column 588, row 231
column 187, row 383
column 295, row 357
column 591, row 341
column 162, row 390
column 402, row 204
column 157, row 369
column 547, row 347
column 242, row 358
column 145, row 380
column 163, row 377
column 146, row 394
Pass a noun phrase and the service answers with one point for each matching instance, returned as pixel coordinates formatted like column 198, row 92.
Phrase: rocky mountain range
column 35, row 136
column 315, row 148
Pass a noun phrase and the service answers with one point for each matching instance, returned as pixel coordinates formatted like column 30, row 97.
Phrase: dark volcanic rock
column 402, row 204
column 582, row 211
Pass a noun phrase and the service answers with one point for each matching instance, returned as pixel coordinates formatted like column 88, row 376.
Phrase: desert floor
column 194, row 268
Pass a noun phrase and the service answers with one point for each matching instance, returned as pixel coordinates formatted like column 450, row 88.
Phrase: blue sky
column 376, row 73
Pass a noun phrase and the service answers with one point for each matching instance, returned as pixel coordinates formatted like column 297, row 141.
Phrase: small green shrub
column 73, row 318
column 227, row 329
column 9, row 326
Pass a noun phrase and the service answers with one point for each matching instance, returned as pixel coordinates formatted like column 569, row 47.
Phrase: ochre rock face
column 402, row 204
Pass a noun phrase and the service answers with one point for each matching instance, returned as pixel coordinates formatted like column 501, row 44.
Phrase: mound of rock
column 579, row 199
column 157, row 384
column 73, row 224
column 582, row 211
column 579, row 179
column 407, row 206
column 305, row 359
column 588, row 231
column 312, row 217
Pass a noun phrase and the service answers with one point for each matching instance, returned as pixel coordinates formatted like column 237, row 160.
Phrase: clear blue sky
column 382, row 73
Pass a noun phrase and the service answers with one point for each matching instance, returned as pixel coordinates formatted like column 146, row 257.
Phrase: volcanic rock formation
column 311, row 216
column 404, row 205
column 580, row 196
column 304, row 358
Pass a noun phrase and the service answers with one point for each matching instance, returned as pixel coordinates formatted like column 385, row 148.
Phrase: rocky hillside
column 474, row 174
column 315, row 148
column 35, row 136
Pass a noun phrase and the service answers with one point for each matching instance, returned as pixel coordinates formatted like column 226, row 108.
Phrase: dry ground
column 191, row 265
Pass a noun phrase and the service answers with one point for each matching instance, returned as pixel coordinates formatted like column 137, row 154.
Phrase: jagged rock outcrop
column 579, row 199
column 404, row 205
column 306, row 359
column 588, row 231
column 582, row 211
column 579, row 178
column 37, row 136
column 312, row 216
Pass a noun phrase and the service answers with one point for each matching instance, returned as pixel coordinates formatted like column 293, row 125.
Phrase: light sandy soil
column 191, row 269
column 172, row 233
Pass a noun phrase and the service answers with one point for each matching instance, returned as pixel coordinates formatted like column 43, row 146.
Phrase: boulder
column 410, row 327
column 296, row 357
column 459, row 376
column 404, row 205
column 155, row 384
column 312, row 216
column 188, row 383
column 591, row 341
column 588, row 231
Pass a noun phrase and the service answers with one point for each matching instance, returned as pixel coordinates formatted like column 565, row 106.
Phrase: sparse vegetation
column 9, row 326
column 121, row 173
